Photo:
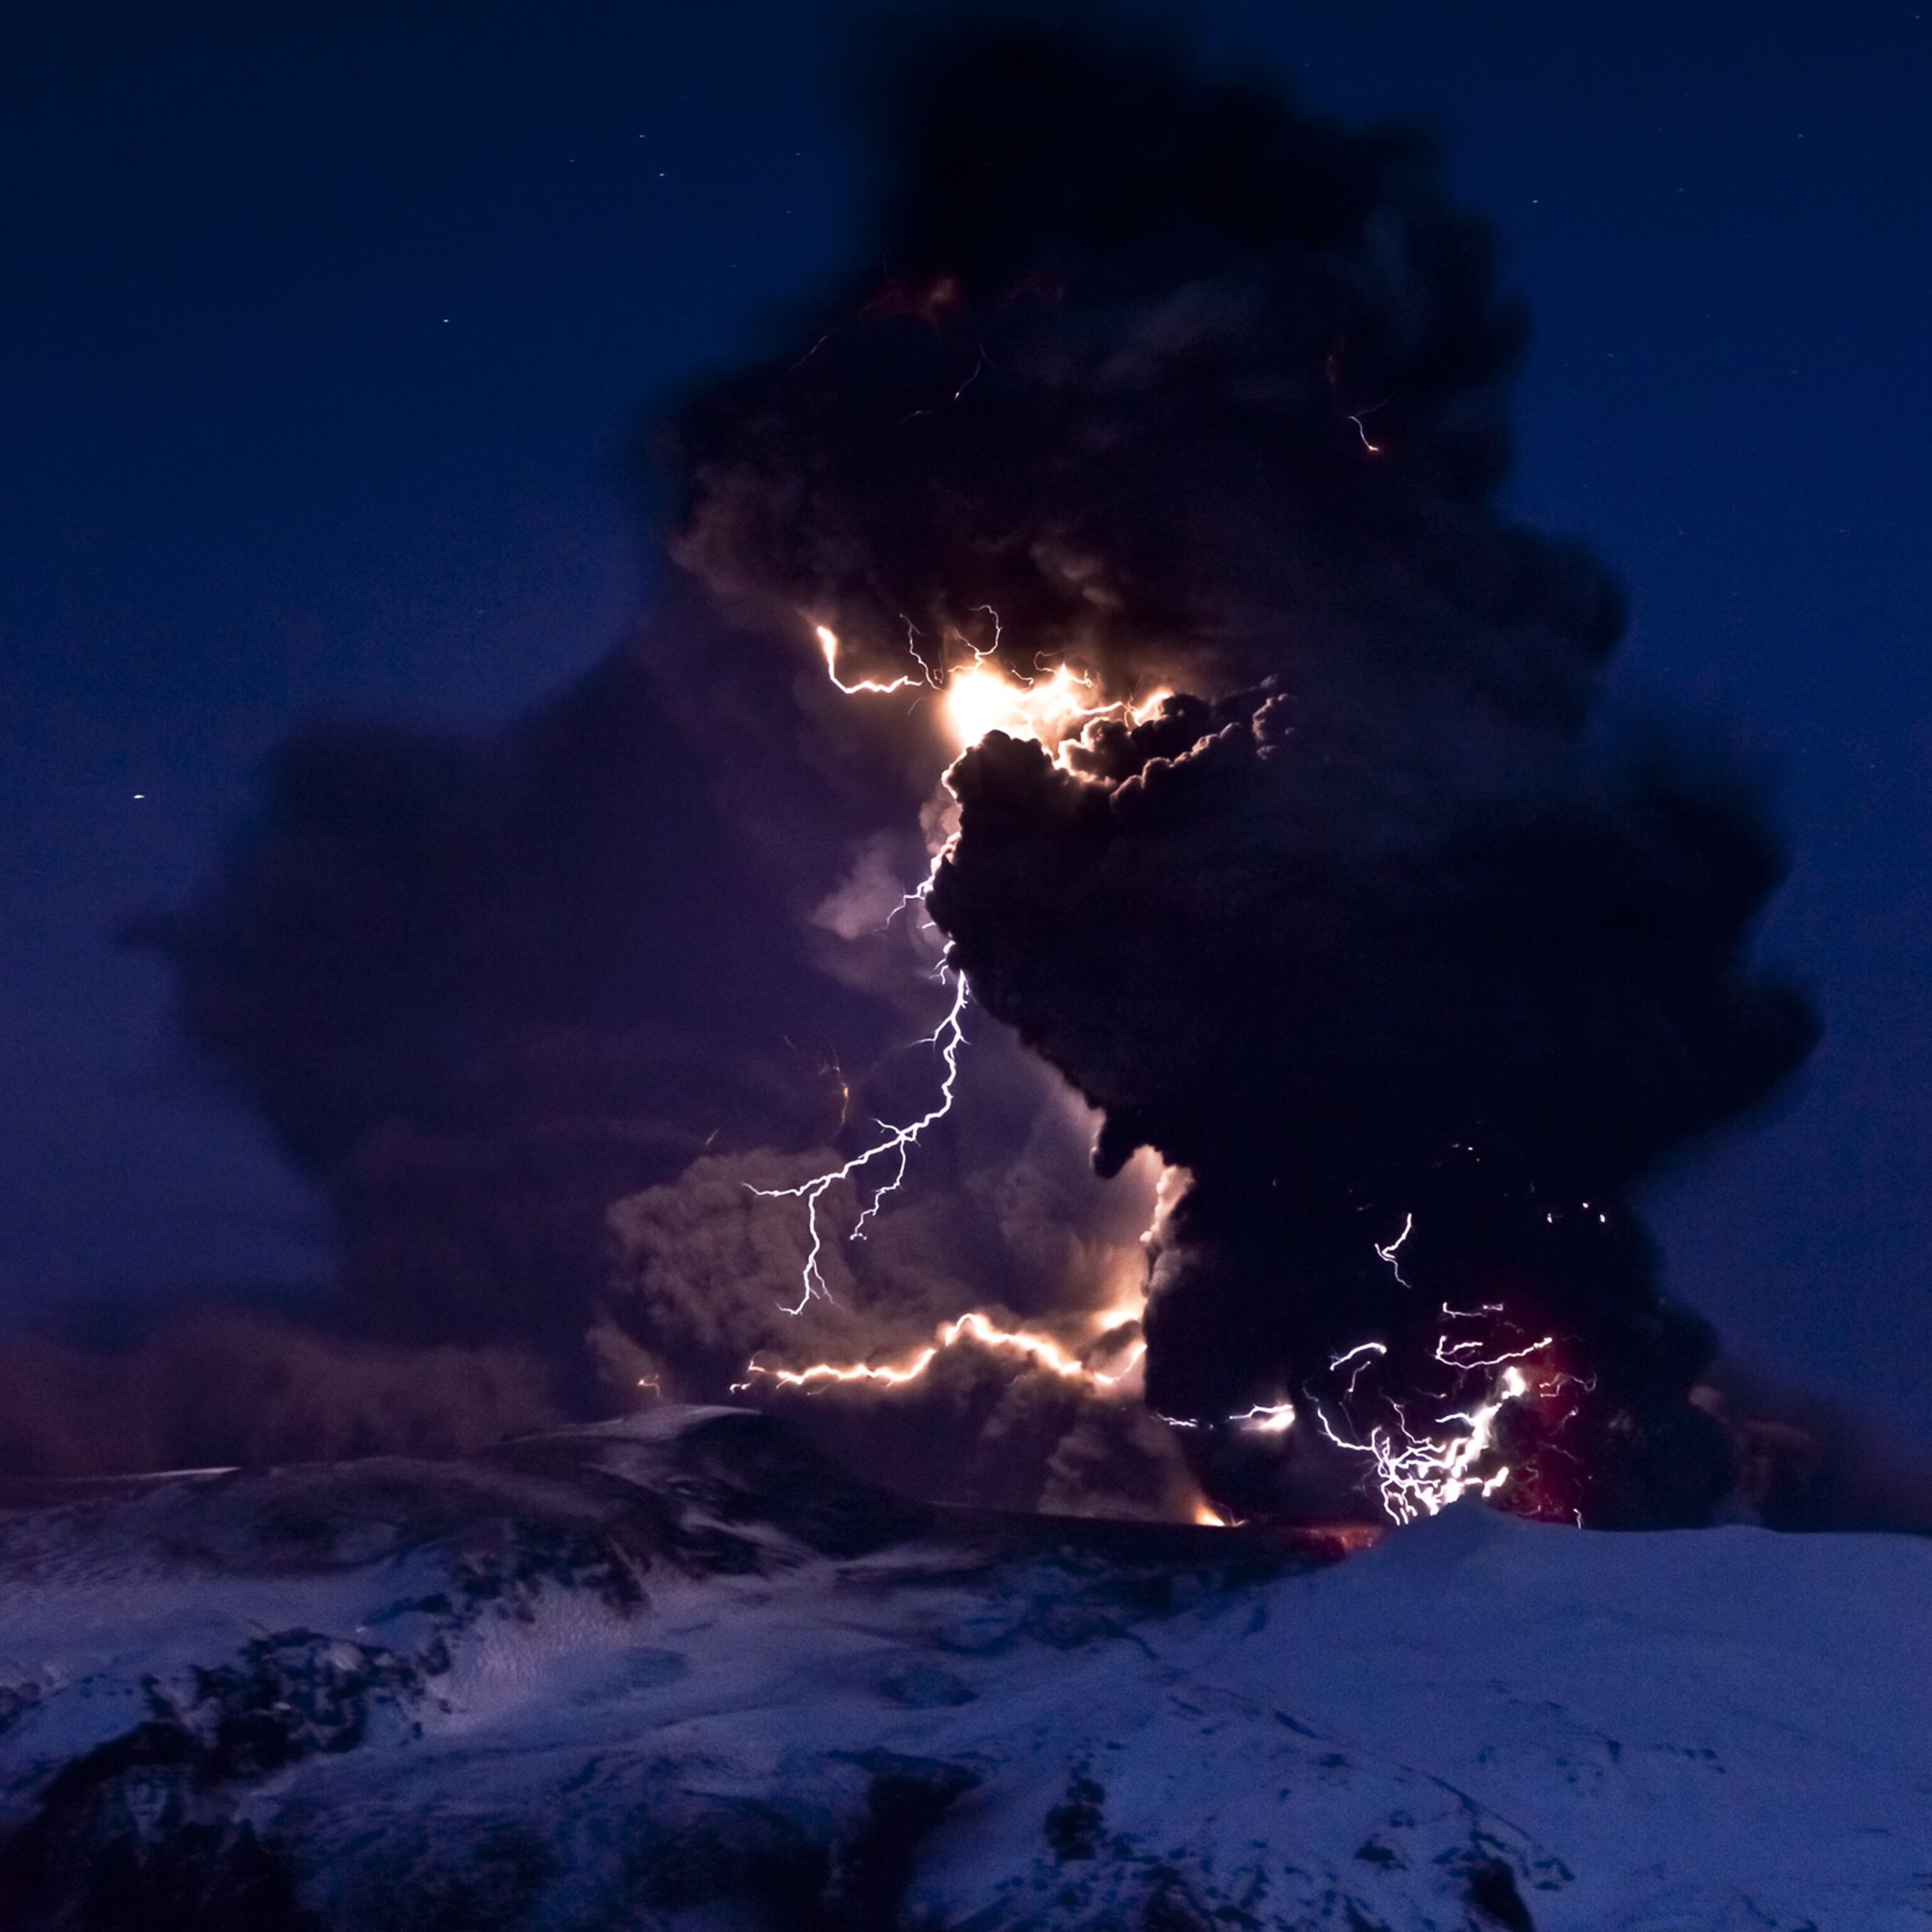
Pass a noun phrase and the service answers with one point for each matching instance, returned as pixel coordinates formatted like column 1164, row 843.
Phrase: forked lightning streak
column 979, row 699
column 949, row 1037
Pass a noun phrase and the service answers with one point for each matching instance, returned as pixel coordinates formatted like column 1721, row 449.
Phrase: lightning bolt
column 1388, row 1253
column 979, row 699
column 1419, row 1474
column 1275, row 1418
column 1463, row 1355
column 828, row 643
column 895, row 1149
column 1356, row 416
column 1044, row 1352
column 1361, row 1354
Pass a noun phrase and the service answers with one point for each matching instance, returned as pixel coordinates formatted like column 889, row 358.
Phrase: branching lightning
column 979, row 698
column 1419, row 1474
column 948, row 1036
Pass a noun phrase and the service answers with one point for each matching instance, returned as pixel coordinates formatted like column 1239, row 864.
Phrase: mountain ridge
column 683, row 1671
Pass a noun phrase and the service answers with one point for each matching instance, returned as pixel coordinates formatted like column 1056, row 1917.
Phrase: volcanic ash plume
column 1332, row 889
column 1109, row 571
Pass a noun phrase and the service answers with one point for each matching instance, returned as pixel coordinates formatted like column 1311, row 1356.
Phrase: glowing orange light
column 978, row 696
column 1041, row 1350
column 1266, row 1418
column 828, row 643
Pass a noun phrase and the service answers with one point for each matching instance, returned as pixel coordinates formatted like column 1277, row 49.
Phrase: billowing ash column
column 1416, row 963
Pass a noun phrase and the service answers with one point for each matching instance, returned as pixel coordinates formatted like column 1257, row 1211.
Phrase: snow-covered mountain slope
column 680, row 1673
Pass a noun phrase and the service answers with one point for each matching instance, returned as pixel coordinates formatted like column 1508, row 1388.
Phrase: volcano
column 683, row 1671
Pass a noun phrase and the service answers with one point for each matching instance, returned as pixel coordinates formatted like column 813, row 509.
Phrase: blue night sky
column 321, row 327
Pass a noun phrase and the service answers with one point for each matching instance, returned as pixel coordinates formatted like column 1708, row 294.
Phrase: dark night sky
column 320, row 327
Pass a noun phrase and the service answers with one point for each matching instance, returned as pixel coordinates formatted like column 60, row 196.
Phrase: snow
column 736, row 1720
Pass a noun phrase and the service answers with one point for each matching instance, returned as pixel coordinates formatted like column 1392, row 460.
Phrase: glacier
column 681, row 1671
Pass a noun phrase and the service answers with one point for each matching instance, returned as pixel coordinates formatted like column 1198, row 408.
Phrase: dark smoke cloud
column 216, row 1390
column 480, row 990
column 1001, row 1214
column 1489, row 1034
column 534, row 1009
column 1808, row 1463
column 1369, row 927
column 1153, row 373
